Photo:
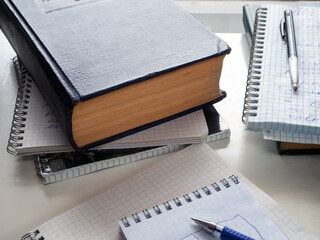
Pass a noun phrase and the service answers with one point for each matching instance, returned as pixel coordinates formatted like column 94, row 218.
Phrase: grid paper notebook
column 55, row 167
column 271, row 103
column 183, row 172
column 228, row 204
column 35, row 128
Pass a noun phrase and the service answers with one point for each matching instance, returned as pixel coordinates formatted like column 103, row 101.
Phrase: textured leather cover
column 78, row 50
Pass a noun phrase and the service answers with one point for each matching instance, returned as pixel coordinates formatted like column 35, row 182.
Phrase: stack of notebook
column 137, row 85
column 291, row 118
column 36, row 131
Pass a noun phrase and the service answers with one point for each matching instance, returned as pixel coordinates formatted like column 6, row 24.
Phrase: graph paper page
column 291, row 137
column 279, row 106
column 43, row 133
column 187, row 170
column 233, row 207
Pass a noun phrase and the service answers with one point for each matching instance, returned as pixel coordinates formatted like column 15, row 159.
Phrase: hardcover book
column 110, row 68
column 35, row 128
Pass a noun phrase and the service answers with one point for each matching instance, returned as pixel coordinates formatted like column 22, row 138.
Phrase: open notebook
column 228, row 203
column 35, row 128
column 183, row 172
column 271, row 104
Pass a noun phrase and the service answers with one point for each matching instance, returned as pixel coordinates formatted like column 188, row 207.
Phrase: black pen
column 288, row 34
column 224, row 233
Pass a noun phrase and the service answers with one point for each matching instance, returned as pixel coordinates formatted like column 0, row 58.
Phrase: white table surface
column 25, row 203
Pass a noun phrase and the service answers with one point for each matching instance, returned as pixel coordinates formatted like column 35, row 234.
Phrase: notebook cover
column 72, row 47
column 249, row 13
column 298, row 149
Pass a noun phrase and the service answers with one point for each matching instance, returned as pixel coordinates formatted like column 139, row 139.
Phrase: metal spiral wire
column 20, row 109
column 168, row 206
column 32, row 236
column 251, row 99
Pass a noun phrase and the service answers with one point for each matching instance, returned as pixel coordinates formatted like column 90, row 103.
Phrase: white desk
column 293, row 181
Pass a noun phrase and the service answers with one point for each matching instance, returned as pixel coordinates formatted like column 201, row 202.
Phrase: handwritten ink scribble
column 298, row 114
column 316, row 104
column 197, row 234
column 51, row 119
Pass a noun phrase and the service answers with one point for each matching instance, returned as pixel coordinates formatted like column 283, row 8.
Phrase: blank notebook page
column 183, row 172
column 233, row 206
column 279, row 106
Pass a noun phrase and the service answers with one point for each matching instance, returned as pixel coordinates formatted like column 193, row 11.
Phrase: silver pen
column 288, row 35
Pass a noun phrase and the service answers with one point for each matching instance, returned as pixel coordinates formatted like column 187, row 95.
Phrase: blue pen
column 224, row 233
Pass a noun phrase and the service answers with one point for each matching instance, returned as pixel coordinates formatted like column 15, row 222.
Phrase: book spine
column 48, row 77
column 254, row 73
column 167, row 206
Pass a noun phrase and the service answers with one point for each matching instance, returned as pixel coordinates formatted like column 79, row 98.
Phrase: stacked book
column 113, row 87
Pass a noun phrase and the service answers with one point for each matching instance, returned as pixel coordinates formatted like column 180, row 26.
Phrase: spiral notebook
column 190, row 169
column 271, row 104
column 55, row 167
column 36, row 130
column 228, row 203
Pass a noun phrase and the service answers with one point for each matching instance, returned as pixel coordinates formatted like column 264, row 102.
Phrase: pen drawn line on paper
column 224, row 221
column 192, row 234
column 250, row 224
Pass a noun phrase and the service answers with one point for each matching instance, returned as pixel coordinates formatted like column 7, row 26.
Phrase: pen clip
column 282, row 29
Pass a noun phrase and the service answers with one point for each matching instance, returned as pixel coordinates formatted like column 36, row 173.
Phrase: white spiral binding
column 20, row 110
column 254, row 73
column 197, row 193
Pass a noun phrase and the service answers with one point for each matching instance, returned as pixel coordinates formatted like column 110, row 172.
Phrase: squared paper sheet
column 187, row 170
column 291, row 137
column 279, row 106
